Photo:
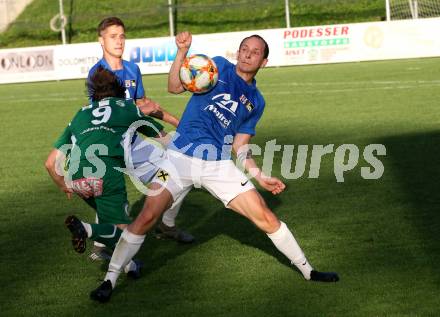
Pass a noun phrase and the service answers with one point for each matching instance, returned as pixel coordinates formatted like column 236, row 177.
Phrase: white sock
column 169, row 222
column 95, row 243
column 88, row 228
column 169, row 216
column 284, row 241
column 131, row 266
column 127, row 246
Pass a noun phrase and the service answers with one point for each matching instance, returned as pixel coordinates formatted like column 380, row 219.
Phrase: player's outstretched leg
column 130, row 243
column 105, row 233
column 284, row 241
column 104, row 291
column 99, row 252
column 79, row 233
column 251, row 205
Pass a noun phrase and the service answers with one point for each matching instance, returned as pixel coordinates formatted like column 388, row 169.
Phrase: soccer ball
column 198, row 74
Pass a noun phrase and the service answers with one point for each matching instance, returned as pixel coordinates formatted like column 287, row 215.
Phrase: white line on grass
column 358, row 86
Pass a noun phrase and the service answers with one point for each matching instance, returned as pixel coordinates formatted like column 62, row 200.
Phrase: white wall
column 10, row 10
column 289, row 46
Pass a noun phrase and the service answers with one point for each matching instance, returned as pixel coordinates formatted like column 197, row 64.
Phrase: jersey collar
column 252, row 85
column 105, row 64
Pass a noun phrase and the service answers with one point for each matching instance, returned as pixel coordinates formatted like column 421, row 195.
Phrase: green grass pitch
column 381, row 236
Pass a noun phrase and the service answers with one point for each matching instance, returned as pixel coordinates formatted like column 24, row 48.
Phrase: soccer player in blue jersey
column 111, row 34
column 211, row 125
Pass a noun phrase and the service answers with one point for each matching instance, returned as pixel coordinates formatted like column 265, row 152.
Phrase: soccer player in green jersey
column 94, row 138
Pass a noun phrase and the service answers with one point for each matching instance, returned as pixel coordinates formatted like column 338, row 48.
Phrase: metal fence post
column 63, row 30
column 171, row 17
column 388, row 11
column 286, row 2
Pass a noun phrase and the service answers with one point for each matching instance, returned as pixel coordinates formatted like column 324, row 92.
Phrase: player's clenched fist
column 183, row 40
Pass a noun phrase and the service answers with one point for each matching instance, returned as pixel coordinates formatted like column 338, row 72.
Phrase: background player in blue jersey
column 111, row 35
column 211, row 124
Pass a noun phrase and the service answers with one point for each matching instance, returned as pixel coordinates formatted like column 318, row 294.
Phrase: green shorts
column 111, row 203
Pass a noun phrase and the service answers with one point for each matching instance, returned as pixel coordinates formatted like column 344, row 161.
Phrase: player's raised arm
column 241, row 149
column 153, row 109
column 183, row 42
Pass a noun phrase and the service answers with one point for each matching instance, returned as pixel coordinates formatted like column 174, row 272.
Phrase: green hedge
column 150, row 18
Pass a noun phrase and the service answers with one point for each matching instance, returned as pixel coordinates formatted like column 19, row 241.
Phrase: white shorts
column 146, row 159
column 221, row 178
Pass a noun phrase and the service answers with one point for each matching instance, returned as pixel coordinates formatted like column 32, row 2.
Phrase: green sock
column 105, row 233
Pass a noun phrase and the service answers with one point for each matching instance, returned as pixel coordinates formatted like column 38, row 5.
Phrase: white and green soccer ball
column 198, row 74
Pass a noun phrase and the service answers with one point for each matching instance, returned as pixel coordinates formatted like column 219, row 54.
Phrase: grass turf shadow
column 213, row 220
column 414, row 161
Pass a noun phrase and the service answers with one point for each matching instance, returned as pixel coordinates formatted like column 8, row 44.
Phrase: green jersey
column 100, row 128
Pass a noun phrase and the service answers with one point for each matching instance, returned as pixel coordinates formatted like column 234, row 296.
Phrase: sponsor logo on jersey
column 249, row 106
column 162, row 175
column 223, row 102
column 130, row 83
column 88, row 185
column 220, row 116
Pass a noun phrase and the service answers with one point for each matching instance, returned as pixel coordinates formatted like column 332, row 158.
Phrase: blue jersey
column 211, row 120
column 129, row 75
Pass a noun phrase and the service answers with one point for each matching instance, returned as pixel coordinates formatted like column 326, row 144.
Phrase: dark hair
column 109, row 22
column 104, row 83
column 266, row 46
